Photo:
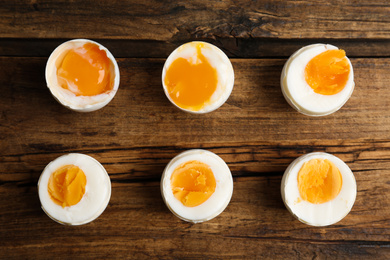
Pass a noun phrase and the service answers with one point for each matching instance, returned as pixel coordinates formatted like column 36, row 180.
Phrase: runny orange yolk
column 85, row 71
column 191, row 83
column 193, row 183
column 319, row 181
column 67, row 185
column 328, row 72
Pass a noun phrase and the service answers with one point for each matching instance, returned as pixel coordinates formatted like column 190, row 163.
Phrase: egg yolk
column 85, row 71
column 319, row 181
column 193, row 183
column 67, row 185
column 328, row 72
column 191, row 82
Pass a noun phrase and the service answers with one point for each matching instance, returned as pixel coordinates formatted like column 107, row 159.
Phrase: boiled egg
column 319, row 189
column 74, row 189
column 82, row 75
column 317, row 80
column 196, row 185
column 198, row 77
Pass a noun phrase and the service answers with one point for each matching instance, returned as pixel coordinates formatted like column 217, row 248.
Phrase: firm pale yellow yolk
column 193, row 183
column 328, row 72
column 319, row 181
column 67, row 185
column 191, row 84
column 85, row 71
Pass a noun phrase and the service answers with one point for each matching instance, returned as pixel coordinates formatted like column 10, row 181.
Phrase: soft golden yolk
column 191, row 84
column 67, row 185
column 319, row 181
column 193, row 183
column 328, row 72
column 85, row 71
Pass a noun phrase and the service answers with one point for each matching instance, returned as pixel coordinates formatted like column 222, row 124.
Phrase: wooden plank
column 256, row 130
column 234, row 48
column 143, row 164
column 255, row 224
column 167, row 21
column 255, row 111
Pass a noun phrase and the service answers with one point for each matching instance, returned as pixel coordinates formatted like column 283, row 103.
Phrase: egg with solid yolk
column 319, row 181
column 198, row 77
column 319, row 189
column 317, row 80
column 74, row 189
column 82, row 75
column 193, row 182
column 66, row 185
column 196, row 185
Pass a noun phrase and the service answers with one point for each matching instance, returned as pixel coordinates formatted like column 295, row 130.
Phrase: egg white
column 218, row 60
column 97, row 191
column 300, row 95
column 217, row 202
column 326, row 213
column 68, row 98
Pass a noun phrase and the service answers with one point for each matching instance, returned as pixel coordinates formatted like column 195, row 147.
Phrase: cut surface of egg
column 74, row 189
column 196, row 185
column 317, row 80
column 198, row 77
column 82, row 75
column 319, row 189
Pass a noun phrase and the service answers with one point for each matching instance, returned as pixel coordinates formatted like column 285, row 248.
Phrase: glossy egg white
column 97, row 191
column 324, row 214
column 300, row 95
column 218, row 60
column 218, row 201
column 66, row 97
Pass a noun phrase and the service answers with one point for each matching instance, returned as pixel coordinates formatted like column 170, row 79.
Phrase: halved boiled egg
column 196, row 185
column 74, row 189
column 198, row 77
column 319, row 189
column 82, row 75
column 317, row 80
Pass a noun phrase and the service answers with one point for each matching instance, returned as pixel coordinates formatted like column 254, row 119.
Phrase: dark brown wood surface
column 256, row 132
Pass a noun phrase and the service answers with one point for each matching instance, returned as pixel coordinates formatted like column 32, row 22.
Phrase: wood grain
column 256, row 110
column 136, row 135
column 178, row 20
column 233, row 47
column 255, row 224
column 256, row 132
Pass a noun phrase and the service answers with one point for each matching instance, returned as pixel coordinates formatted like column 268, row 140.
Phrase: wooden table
column 256, row 132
